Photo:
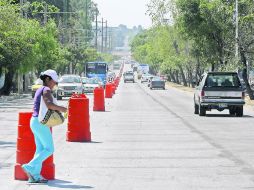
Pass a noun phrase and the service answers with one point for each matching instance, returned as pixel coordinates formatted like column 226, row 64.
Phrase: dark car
column 157, row 82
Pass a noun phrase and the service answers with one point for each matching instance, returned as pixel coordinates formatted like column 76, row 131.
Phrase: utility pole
column 106, row 37
column 22, row 12
column 21, row 2
column 102, row 36
column 236, row 31
column 25, row 10
column 110, row 40
column 21, row 84
column 96, row 28
column 86, row 34
column 65, row 22
column 45, row 20
column 21, row 5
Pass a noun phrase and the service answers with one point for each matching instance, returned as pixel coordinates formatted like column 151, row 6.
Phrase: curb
column 12, row 97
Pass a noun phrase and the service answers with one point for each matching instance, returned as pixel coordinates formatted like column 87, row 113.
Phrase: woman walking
column 42, row 134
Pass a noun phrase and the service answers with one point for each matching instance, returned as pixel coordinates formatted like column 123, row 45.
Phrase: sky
column 127, row 12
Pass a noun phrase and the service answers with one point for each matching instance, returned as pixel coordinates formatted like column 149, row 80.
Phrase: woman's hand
column 63, row 109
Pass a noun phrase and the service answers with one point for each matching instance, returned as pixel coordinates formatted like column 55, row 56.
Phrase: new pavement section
column 137, row 144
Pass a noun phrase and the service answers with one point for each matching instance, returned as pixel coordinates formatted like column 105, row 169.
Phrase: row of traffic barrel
column 26, row 149
column 78, row 128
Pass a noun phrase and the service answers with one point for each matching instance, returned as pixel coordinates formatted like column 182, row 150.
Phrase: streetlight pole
column 236, row 30
column 96, row 28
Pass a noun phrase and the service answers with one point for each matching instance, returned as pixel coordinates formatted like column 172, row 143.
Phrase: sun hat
column 51, row 73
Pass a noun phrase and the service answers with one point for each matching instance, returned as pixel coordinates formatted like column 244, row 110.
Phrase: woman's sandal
column 29, row 175
column 41, row 180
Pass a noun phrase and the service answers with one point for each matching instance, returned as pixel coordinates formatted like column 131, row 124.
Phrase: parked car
column 90, row 84
column 69, row 84
column 36, row 85
column 219, row 90
column 157, row 82
column 129, row 76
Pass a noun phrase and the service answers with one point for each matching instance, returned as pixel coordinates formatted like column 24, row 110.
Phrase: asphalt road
column 146, row 139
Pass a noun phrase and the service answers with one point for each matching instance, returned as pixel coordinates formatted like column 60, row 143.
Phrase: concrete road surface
column 146, row 140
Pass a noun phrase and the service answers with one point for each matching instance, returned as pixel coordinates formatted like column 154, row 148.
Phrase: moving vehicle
column 116, row 65
column 142, row 68
column 219, row 90
column 157, row 82
column 69, row 84
column 145, row 77
column 97, row 70
column 129, row 76
column 150, row 80
column 111, row 76
column 90, row 84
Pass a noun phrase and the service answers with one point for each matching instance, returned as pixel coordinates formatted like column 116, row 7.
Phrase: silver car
column 128, row 76
column 219, row 90
column 91, row 83
column 145, row 77
column 69, row 84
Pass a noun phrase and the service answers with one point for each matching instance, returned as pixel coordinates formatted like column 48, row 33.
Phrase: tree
column 25, row 45
column 15, row 47
column 246, row 40
column 210, row 25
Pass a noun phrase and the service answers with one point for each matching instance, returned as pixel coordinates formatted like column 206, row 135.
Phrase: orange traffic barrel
column 117, row 81
column 26, row 150
column 99, row 101
column 108, row 90
column 113, row 86
column 78, row 119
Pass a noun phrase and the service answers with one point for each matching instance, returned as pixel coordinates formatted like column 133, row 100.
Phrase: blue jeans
column 44, row 145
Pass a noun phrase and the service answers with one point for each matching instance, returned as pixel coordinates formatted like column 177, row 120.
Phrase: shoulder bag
column 49, row 117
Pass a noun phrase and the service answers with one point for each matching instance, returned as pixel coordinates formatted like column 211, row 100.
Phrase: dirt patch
column 249, row 102
column 180, row 87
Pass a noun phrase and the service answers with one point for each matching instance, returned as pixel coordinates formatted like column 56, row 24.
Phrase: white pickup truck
column 128, row 76
column 219, row 90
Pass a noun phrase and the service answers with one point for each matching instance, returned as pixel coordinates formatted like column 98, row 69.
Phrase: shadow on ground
column 5, row 144
column 227, row 115
column 67, row 185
